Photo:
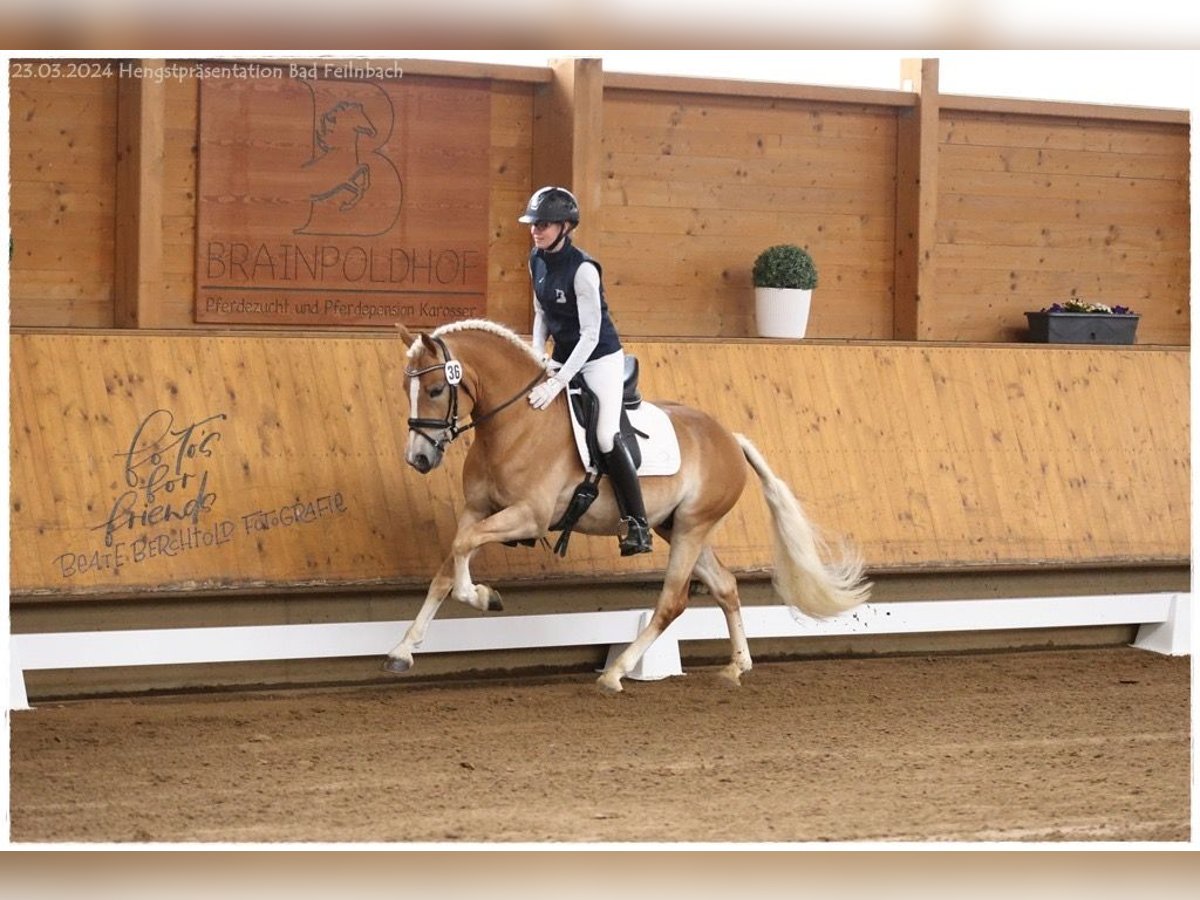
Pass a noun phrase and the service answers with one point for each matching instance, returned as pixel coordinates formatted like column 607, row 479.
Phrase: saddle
column 586, row 410
column 648, row 423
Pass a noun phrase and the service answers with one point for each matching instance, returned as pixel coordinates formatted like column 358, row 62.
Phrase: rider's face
column 545, row 233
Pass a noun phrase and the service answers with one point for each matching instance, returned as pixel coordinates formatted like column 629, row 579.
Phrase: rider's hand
column 540, row 396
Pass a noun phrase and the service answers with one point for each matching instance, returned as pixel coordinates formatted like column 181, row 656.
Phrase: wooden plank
column 917, row 188
column 746, row 136
column 139, row 199
column 1091, row 282
column 1066, row 110
column 851, row 170
column 567, row 127
column 415, row 67
column 694, row 118
column 50, row 198
column 52, row 312
column 63, row 145
column 62, row 249
column 615, row 82
column 1098, row 260
column 685, row 223
column 1166, row 166
column 1168, row 193
column 634, row 191
column 994, row 234
column 1039, row 132
column 1054, row 211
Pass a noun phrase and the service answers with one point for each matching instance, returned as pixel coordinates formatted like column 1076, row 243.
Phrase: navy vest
column 554, row 286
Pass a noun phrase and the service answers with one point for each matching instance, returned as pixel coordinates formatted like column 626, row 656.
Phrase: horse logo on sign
column 353, row 187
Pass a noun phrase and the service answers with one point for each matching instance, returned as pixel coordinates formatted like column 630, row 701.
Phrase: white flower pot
column 782, row 312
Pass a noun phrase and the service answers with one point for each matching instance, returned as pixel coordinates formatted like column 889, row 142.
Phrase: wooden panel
column 325, row 201
column 1036, row 201
column 696, row 186
column 510, row 180
column 139, row 219
column 284, row 457
column 62, row 135
column 916, row 204
column 180, row 148
column 1037, row 210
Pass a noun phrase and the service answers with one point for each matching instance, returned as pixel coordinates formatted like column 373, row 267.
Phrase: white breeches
column 606, row 377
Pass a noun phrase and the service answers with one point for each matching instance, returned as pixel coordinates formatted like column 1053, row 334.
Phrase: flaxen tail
column 801, row 578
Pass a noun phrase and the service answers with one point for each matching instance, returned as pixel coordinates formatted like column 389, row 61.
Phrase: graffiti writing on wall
column 169, row 505
column 165, row 470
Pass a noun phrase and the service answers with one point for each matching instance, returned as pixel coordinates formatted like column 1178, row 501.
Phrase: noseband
column 448, row 425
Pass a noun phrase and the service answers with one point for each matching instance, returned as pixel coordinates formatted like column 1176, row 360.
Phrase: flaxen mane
column 480, row 325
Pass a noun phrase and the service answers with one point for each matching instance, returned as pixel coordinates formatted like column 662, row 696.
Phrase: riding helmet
column 551, row 204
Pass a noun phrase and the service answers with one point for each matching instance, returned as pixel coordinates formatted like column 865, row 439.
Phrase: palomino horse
column 522, row 468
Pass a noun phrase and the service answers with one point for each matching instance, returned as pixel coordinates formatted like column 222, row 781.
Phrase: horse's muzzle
column 423, row 462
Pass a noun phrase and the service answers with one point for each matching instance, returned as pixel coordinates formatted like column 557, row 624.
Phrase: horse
column 521, row 470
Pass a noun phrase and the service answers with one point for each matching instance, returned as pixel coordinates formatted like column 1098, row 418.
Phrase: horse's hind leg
column 723, row 585
column 685, row 547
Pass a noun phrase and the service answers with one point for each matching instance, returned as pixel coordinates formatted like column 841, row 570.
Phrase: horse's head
column 342, row 122
column 488, row 364
column 432, row 379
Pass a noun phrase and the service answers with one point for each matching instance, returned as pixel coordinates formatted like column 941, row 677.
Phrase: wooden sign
column 326, row 200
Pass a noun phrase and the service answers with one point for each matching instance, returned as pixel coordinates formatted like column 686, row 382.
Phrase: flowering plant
column 1079, row 306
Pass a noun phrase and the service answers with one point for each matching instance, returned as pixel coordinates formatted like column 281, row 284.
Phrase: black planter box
column 1081, row 328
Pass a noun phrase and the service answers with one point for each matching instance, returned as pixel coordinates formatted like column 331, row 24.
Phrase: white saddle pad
column 660, row 452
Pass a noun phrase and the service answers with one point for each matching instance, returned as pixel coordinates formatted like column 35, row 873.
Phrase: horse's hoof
column 494, row 603
column 397, row 665
column 731, row 675
column 609, row 684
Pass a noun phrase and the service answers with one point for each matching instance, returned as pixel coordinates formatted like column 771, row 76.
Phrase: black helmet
column 551, row 204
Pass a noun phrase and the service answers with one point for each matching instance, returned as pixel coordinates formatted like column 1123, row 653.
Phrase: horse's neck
column 501, row 370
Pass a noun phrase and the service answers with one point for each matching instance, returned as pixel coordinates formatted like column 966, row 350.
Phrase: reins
column 449, row 424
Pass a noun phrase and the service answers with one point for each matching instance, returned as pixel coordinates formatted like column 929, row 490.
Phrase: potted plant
column 1080, row 322
column 784, row 278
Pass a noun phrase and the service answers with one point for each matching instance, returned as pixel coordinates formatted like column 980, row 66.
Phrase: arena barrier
column 282, row 461
column 1164, row 621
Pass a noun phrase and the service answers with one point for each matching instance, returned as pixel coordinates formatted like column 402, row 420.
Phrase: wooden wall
column 62, row 201
column 279, row 459
column 1031, row 203
column 64, row 146
column 1035, row 210
column 695, row 187
column 685, row 181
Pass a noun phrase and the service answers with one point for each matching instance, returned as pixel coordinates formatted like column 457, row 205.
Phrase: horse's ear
column 428, row 344
column 404, row 334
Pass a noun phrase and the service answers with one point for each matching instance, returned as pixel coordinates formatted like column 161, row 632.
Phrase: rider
column 569, row 306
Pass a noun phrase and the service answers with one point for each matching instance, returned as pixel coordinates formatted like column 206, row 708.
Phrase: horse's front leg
column 509, row 524
column 400, row 657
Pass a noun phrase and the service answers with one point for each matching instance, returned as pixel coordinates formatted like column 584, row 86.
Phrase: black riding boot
column 628, row 490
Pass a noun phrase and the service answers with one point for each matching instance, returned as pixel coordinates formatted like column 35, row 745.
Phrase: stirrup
column 636, row 537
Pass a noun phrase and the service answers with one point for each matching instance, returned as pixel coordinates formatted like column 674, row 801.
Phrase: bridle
column 448, row 424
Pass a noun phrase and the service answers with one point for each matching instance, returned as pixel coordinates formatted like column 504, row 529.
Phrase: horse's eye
column 437, row 391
